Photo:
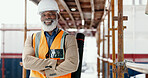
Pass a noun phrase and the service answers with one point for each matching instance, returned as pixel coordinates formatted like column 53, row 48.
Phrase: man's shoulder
column 70, row 36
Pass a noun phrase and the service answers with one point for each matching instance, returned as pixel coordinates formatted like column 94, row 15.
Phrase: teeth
column 48, row 21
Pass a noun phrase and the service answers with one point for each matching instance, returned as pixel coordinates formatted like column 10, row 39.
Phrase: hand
column 50, row 72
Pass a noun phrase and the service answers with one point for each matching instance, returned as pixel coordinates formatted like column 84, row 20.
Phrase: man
column 50, row 53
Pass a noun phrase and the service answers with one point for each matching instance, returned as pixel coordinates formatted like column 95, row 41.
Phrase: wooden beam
column 113, row 41
column 75, row 12
column 92, row 12
column 85, row 10
column 116, row 18
column 64, row 21
column 80, row 10
column 74, row 15
column 120, row 39
column 104, row 13
column 103, row 53
column 108, row 55
column 67, row 9
column 97, row 13
column 124, row 27
column 61, row 26
column 79, row 21
column 25, row 34
column 71, row 3
column 98, row 45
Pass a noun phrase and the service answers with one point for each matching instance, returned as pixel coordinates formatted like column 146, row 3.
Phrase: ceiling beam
column 104, row 14
column 35, row 1
column 67, row 9
column 92, row 12
column 77, row 12
column 80, row 10
column 64, row 21
column 61, row 26
column 79, row 21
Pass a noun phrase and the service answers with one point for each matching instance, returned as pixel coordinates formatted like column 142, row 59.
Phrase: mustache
column 49, row 19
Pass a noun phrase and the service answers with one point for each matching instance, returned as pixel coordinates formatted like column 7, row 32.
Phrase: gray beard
column 50, row 27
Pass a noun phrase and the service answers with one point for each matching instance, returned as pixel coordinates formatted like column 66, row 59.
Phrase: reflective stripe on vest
column 40, row 46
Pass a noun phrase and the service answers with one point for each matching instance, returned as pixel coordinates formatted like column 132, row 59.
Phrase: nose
column 47, row 17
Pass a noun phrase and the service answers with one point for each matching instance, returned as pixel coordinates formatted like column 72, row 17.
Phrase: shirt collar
column 56, row 30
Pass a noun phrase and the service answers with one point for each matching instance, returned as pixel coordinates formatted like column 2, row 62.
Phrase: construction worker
column 52, row 52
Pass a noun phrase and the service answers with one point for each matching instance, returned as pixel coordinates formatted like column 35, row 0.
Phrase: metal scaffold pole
column 120, row 38
column 25, row 34
column 113, row 42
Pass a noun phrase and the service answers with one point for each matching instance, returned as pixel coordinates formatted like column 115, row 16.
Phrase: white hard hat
column 48, row 5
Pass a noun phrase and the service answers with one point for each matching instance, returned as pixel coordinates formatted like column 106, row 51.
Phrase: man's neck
column 50, row 32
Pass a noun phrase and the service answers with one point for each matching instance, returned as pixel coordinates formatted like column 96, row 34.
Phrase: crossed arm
column 68, row 66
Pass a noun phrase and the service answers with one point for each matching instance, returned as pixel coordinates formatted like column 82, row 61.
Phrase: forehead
column 46, row 12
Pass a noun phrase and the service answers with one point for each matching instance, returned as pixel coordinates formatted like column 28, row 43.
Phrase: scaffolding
column 118, row 67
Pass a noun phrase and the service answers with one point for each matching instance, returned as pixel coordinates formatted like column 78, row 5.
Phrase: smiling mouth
column 48, row 22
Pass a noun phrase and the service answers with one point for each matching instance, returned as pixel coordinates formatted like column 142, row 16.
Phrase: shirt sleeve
column 70, row 64
column 33, row 63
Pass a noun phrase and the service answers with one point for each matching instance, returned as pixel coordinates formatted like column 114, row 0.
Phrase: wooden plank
column 108, row 35
column 61, row 26
column 120, row 39
column 25, row 34
column 98, row 45
column 74, row 15
column 89, row 10
column 124, row 27
column 71, row 3
column 78, row 20
column 97, row 13
column 74, row 12
column 92, row 12
column 80, row 10
column 113, row 42
column 64, row 21
column 116, row 18
column 67, row 9
column 103, row 53
column 108, row 55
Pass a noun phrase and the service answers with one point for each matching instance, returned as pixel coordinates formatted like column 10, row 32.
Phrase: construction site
column 114, row 40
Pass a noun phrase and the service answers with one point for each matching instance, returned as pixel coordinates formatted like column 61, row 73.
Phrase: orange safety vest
column 40, row 46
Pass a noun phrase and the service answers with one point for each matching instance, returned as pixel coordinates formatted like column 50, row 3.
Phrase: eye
column 43, row 15
column 49, row 14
